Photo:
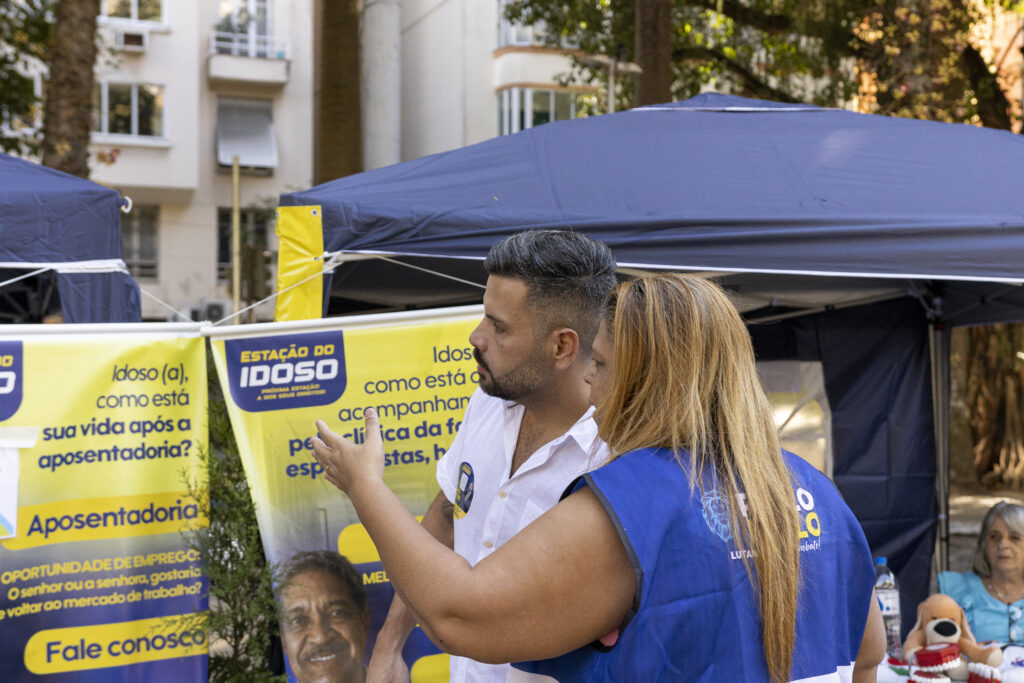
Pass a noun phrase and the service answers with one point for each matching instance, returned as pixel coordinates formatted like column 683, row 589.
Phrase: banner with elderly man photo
column 100, row 426
column 417, row 370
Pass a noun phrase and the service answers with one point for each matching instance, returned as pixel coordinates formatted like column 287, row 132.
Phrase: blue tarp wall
column 877, row 373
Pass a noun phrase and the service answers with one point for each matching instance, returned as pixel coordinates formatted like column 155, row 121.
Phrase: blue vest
column 695, row 616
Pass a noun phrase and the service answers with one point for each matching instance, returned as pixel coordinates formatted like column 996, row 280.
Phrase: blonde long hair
column 685, row 379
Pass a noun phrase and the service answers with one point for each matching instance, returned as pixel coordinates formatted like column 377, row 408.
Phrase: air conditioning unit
column 131, row 40
column 215, row 310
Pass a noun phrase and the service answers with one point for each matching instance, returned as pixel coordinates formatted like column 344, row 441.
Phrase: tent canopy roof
column 778, row 195
column 49, row 219
column 49, row 216
column 715, row 183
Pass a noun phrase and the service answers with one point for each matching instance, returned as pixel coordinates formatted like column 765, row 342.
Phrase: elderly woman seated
column 992, row 595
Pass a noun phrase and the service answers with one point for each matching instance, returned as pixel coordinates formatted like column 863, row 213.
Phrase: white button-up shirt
column 476, row 468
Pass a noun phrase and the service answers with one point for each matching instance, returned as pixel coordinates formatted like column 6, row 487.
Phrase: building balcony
column 248, row 59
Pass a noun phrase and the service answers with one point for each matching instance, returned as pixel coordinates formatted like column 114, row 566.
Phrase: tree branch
column 751, row 82
column 993, row 107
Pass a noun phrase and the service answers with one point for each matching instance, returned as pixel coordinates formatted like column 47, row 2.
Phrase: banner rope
column 22, row 277
column 167, row 305
column 331, row 262
column 429, row 271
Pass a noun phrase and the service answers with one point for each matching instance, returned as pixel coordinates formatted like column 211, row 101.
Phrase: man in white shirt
column 528, row 430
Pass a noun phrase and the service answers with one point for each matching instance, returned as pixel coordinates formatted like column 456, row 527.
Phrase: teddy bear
column 941, row 620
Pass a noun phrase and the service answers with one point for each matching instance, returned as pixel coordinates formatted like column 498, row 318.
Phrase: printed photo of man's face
column 323, row 627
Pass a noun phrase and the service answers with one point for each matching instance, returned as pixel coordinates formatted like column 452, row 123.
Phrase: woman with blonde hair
column 699, row 552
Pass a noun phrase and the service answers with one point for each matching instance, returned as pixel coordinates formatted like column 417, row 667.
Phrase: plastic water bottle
column 889, row 601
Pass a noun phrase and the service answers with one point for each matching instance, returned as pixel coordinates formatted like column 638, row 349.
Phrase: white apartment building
column 467, row 75
column 184, row 87
column 187, row 84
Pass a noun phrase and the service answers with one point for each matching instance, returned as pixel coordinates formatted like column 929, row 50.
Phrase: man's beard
column 517, row 383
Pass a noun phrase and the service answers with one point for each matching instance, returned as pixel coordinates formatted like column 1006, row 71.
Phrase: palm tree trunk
column 67, row 112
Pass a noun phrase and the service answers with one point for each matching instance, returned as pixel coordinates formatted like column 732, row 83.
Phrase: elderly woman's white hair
column 1013, row 515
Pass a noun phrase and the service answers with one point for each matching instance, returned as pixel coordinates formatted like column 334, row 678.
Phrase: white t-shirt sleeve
column 448, row 465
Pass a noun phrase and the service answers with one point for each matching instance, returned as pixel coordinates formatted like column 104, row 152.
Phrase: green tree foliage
column 243, row 612
column 916, row 53
column 921, row 59
column 785, row 50
column 25, row 30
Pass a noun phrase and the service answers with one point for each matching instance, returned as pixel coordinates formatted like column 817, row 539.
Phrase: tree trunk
column 995, row 389
column 337, row 112
column 67, row 112
column 995, row 373
column 654, row 51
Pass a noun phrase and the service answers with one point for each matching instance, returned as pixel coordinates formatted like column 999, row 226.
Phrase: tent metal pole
column 236, row 238
column 939, row 343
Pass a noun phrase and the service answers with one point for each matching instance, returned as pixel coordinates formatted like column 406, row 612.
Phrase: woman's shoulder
column 644, row 457
column 959, row 585
column 659, row 472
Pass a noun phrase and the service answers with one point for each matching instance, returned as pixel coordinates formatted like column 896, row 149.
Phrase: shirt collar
column 583, row 432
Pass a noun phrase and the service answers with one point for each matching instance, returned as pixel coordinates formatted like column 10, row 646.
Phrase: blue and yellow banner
column 99, row 430
column 417, row 370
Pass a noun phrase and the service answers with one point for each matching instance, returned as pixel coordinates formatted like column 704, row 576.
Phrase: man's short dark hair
column 329, row 562
column 568, row 275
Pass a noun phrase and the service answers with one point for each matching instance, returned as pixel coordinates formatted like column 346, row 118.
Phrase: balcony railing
column 249, row 45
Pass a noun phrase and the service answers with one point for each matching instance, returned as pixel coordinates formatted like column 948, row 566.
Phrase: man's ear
column 565, row 344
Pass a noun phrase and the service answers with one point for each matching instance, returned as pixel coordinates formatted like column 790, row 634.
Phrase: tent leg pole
column 939, row 342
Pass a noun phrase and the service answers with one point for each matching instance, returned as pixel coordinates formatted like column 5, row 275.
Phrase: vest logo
column 464, row 491
column 810, row 523
column 286, row 371
column 715, row 508
column 10, row 378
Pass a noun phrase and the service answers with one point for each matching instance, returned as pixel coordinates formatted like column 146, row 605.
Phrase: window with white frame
column 244, row 29
column 510, row 33
column 132, row 10
column 135, row 109
column 139, row 240
column 522, row 108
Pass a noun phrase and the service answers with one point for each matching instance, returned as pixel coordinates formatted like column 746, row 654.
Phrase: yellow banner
column 416, row 369
column 95, row 506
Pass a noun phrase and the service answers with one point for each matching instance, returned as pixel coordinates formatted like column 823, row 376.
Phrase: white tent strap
column 332, row 261
column 767, row 110
column 96, row 266
column 233, row 315
column 22, row 277
column 709, row 271
column 337, row 258
column 167, row 306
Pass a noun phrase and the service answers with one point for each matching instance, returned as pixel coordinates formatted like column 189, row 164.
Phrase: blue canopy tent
column 54, row 222
column 855, row 240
